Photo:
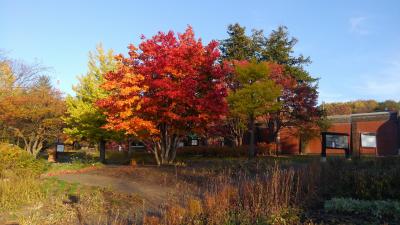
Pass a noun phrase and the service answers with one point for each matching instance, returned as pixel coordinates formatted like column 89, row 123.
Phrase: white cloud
column 358, row 26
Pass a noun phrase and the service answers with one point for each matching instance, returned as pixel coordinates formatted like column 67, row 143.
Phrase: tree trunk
column 156, row 152
column 174, row 146
column 235, row 142
column 166, row 147
column 238, row 141
column 252, row 151
column 236, row 131
column 165, row 150
column 33, row 145
column 130, row 149
column 274, row 126
column 102, row 150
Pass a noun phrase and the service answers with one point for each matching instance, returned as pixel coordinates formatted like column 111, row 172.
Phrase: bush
column 19, row 183
column 368, row 179
column 383, row 211
column 213, row 151
column 18, row 162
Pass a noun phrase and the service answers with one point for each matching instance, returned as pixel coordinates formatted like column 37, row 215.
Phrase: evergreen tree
column 239, row 46
column 278, row 49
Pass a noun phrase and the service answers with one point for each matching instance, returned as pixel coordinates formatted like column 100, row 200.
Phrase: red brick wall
column 387, row 138
column 289, row 142
column 314, row 146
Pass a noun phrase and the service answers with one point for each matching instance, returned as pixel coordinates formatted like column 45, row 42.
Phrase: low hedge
column 382, row 211
column 368, row 179
column 213, row 151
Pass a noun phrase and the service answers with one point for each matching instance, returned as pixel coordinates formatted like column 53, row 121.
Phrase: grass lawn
column 71, row 161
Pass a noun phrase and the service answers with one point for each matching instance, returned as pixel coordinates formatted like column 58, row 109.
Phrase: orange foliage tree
column 33, row 114
column 170, row 86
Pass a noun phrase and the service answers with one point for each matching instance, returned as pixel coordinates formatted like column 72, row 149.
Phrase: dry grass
column 274, row 196
column 228, row 191
column 84, row 206
column 16, row 191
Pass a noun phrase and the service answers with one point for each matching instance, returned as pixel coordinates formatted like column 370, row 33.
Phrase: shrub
column 18, row 162
column 19, row 173
column 378, row 210
column 369, row 179
column 213, row 151
column 285, row 216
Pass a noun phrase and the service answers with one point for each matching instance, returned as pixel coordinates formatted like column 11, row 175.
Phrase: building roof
column 363, row 117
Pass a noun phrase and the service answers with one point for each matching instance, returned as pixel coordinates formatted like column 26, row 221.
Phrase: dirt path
column 122, row 179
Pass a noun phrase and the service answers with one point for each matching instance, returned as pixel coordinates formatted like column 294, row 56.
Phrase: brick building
column 380, row 127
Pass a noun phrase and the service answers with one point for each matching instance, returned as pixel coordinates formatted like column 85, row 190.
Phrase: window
column 368, row 140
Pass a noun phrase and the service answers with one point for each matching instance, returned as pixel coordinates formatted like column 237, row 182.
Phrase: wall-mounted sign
column 60, row 148
column 194, row 142
column 368, row 140
column 337, row 141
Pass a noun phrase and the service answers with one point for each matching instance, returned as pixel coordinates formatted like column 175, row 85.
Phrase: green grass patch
column 57, row 167
column 68, row 161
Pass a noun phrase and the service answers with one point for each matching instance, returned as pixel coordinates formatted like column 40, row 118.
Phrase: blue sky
column 354, row 45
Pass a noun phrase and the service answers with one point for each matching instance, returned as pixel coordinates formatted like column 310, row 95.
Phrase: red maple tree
column 298, row 103
column 170, row 86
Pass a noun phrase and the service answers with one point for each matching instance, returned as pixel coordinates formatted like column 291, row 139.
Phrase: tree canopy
column 360, row 106
column 84, row 118
column 256, row 96
column 299, row 89
column 32, row 115
column 169, row 87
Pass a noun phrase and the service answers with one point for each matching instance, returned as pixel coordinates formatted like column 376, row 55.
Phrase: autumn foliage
column 32, row 115
column 298, row 100
column 168, row 87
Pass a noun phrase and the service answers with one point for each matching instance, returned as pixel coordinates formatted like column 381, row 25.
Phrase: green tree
column 84, row 119
column 278, row 48
column 256, row 95
column 238, row 46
